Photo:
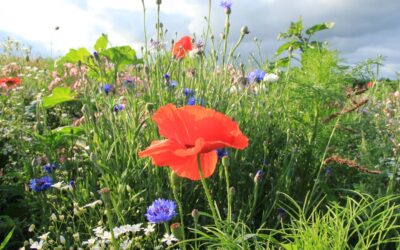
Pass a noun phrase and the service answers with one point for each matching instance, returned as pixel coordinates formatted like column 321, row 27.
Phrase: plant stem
column 226, row 34
column 236, row 46
column 207, row 192
column 228, row 193
column 178, row 201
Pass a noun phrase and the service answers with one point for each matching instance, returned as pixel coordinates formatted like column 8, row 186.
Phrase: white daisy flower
column 149, row 229
column 168, row 239
column 93, row 204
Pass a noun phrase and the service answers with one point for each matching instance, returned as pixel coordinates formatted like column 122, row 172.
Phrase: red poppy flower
column 181, row 47
column 370, row 85
column 9, row 83
column 192, row 131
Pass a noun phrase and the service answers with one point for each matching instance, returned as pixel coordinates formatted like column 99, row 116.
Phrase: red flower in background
column 182, row 46
column 370, row 85
column 9, row 83
column 192, row 131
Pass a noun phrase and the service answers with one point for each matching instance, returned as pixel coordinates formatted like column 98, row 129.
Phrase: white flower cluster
column 103, row 238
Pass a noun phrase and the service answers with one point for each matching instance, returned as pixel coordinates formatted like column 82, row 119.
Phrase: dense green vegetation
column 321, row 170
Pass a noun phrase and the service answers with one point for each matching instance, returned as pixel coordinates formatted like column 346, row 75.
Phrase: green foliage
column 121, row 56
column 7, row 239
column 293, row 125
column 58, row 96
column 101, row 43
column 76, row 55
column 299, row 40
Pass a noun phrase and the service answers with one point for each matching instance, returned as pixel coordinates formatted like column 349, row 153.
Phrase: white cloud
column 364, row 28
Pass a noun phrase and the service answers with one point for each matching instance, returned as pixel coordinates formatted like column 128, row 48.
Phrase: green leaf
column 121, row 55
column 289, row 246
column 68, row 130
column 286, row 46
column 101, row 43
column 319, row 27
column 7, row 239
column 59, row 95
column 73, row 56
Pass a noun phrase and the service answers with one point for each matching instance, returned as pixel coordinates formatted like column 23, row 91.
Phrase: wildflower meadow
column 186, row 144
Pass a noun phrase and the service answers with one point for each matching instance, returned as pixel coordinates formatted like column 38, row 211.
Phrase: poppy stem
column 208, row 194
column 228, row 193
column 174, row 184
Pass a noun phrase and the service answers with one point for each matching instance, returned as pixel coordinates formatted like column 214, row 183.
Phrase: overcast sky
column 364, row 28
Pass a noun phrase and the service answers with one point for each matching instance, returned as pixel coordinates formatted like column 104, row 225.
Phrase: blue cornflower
column 161, row 211
column 226, row 4
column 40, row 184
column 72, row 183
column 328, row 171
column 188, row 92
column 222, row 152
column 167, row 76
column 96, row 55
column 281, row 213
column 192, row 101
column 108, row 88
column 256, row 75
column 50, row 167
column 172, row 84
column 118, row 107
column 258, row 176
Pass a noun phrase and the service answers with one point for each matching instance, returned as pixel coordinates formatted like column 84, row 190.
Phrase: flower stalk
column 208, row 194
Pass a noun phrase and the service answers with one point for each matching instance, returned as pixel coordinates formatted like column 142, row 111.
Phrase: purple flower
column 227, row 4
column 161, row 211
column 222, row 152
column 108, row 88
column 256, row 75
column 40, row 184
column 72, row 183
column 328, row 171
column 50, row 167
column 192, row 101
column 188, row 92
column 118, row 107
column 96, row 55
column 172, row 84
column 281, row 213
column 167, row 76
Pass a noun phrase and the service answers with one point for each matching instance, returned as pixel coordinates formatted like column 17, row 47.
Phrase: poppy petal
column 161, row 152
column 215, row 128
column 189, row 169
column 182, row 46
column 173, row 125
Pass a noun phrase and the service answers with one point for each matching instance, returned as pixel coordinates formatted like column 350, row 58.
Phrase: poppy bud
column 195, row 215
column 232, row 191
column 93, row 157
column 258, row 176
column 174, row 179
column 105, row 193
column 177, row 230
column 245, row 30
column 158, row 2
